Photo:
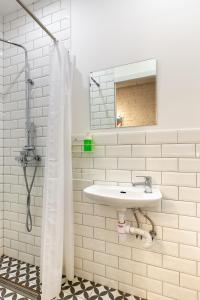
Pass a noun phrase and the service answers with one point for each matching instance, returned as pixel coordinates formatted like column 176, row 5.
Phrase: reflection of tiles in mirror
column 28, row 276
column 21, row 273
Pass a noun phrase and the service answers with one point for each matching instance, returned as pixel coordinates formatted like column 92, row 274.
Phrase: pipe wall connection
column 123, row 229
column 127, row 229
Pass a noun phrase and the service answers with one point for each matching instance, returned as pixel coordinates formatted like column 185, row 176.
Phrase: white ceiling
column 9, row 6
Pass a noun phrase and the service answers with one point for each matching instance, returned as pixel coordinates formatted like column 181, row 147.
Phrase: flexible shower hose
column 29, row 222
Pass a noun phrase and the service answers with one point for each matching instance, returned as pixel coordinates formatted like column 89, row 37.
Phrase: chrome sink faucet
column 147, row 183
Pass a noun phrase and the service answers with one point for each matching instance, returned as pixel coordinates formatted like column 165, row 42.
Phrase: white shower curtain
column 57, row 252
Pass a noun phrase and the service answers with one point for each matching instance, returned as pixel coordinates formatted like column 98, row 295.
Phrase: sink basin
column 123, row 197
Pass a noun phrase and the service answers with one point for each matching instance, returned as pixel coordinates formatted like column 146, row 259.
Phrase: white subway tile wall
column 19, row 27
column 170, row 269
column 1, row 137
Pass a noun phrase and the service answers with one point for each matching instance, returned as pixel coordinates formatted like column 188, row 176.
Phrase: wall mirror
column 124, row 96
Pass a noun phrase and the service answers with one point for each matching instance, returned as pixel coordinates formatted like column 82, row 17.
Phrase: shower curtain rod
column 14, row 44
column 38, row 21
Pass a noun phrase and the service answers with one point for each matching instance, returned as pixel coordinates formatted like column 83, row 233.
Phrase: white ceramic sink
column 123, row 197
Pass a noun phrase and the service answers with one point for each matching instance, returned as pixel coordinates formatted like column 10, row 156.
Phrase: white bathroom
column 99, row 149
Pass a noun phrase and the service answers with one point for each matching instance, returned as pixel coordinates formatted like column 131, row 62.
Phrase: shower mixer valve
column 28, row 157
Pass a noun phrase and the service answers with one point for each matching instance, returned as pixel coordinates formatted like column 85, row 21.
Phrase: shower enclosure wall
column 20, row 28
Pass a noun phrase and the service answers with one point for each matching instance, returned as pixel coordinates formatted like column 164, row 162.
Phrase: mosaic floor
column 80, row 289
column 21, row 273
column 28, row 277
column 10, row 295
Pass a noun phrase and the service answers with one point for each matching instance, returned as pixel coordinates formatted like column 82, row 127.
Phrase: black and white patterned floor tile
column 28, row 276
column 84, row 289
column 21, row 273
column 6, row 294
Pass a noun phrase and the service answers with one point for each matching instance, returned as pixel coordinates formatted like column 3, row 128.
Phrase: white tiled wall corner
column 170, row 268
column 19, row 27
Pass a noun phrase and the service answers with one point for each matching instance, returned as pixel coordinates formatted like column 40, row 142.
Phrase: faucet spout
column 147, row 183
